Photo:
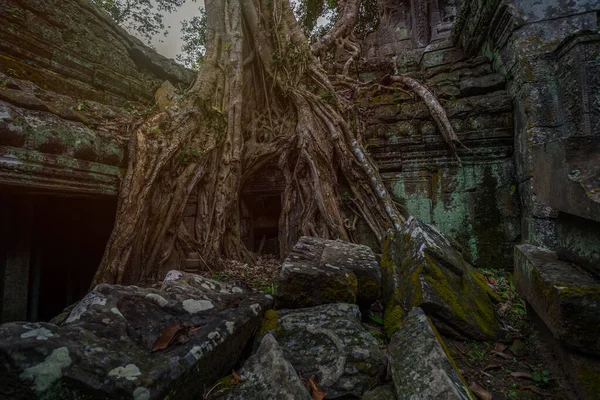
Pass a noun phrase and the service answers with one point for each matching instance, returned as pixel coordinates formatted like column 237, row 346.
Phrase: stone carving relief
column 421, row 32
column 443, row 14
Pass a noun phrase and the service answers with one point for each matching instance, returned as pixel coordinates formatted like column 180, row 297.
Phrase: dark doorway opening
column 262, row 211
column 59, row 252
column 69, row 236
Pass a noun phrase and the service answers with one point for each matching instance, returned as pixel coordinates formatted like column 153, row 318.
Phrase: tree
column 193, row 36
column 142, row 16
column 261, row 96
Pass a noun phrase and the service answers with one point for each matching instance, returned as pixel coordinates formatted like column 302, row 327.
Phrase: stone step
column 566, row 299
column 565, row 305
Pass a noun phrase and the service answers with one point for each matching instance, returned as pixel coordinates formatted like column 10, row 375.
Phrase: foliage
column 477, row 351
column 368, row 18
column 193, row 35
column 142, row 16
column 542, row 378
column 308, row 13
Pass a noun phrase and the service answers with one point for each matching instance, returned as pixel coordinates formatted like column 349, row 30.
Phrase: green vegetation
column 141, row 16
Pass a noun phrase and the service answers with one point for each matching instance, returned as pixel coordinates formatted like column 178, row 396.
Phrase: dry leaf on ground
column 317, row 394
column 167, row 336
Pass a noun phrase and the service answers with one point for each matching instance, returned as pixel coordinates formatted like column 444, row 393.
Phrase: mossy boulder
column 422, row 268
column 319, row 271
column 328, row 341
column 266, row 375
column 106, row 348
column 421, row 368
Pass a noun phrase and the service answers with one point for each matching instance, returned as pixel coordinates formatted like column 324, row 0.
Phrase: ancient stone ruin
column 520, row 83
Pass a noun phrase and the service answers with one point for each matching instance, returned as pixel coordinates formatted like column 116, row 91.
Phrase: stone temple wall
column 69, row 80
column 550, row 54
column 476, row 203
column 67, row 76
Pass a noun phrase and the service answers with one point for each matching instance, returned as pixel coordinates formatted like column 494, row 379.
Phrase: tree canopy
column 144, row 17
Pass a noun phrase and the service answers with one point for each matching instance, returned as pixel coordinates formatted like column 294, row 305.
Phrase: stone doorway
column 261, row 214
column 50, row 247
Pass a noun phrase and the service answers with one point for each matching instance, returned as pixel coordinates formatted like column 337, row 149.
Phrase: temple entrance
column 50, row 247
column 262, row 211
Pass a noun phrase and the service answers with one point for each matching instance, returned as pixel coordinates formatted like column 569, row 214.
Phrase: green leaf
column 376, row 319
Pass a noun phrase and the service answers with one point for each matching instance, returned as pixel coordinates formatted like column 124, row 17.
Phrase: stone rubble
column 319, row 271
column 105, row 346
column 423, row 268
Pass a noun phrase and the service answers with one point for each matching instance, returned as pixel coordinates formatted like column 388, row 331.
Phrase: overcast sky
column 171, row 45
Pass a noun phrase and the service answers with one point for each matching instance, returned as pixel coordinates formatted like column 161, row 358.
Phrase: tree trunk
column 260, row 96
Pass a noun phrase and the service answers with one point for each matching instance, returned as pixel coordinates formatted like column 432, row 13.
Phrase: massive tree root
column 260, row 97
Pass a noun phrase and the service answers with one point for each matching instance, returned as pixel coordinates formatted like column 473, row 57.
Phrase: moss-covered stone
column 422, row 268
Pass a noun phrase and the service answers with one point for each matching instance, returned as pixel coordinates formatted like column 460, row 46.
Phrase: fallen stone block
column 420, row 267
column 421, row 369
column 131, row 342
column 319, row 271
column 266, row 375
column 328, row 341
column 385, row 392
column 566, row 299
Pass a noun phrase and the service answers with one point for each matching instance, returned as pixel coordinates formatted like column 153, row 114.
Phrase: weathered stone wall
column 477, row 203
column 70, row 80
column 68, row 77
column 550, row 53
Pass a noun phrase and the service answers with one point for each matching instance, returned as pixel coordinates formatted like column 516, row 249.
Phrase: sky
column 171, row 45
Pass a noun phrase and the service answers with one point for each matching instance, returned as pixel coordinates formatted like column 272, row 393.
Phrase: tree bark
column 261, row 95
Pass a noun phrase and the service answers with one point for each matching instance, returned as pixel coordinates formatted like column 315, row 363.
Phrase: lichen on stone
column 49, row 371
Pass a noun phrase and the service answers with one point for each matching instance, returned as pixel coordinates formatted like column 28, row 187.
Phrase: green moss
column 335, row 291
column 449, row 355
column 467, row 299
column 436, row 278
column 269, row 322
column 368, row 287
column 392, row 319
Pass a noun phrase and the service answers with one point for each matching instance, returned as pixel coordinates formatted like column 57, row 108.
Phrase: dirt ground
column 520, row 364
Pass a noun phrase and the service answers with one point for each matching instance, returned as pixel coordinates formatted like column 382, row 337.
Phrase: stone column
column 421, row 30
column 16, row 223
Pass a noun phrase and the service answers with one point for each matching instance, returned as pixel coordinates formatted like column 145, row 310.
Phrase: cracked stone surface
column 103, row 349
column 328, row 341
column 268, row 375
column 421, row 369
column 319, row 271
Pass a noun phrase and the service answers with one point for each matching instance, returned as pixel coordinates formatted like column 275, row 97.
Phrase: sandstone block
column 566, row 299
column 319, row 271
column 422, row 268
column 267, row 375
column 420, row 366
column 131, row 342
column 329, row 341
